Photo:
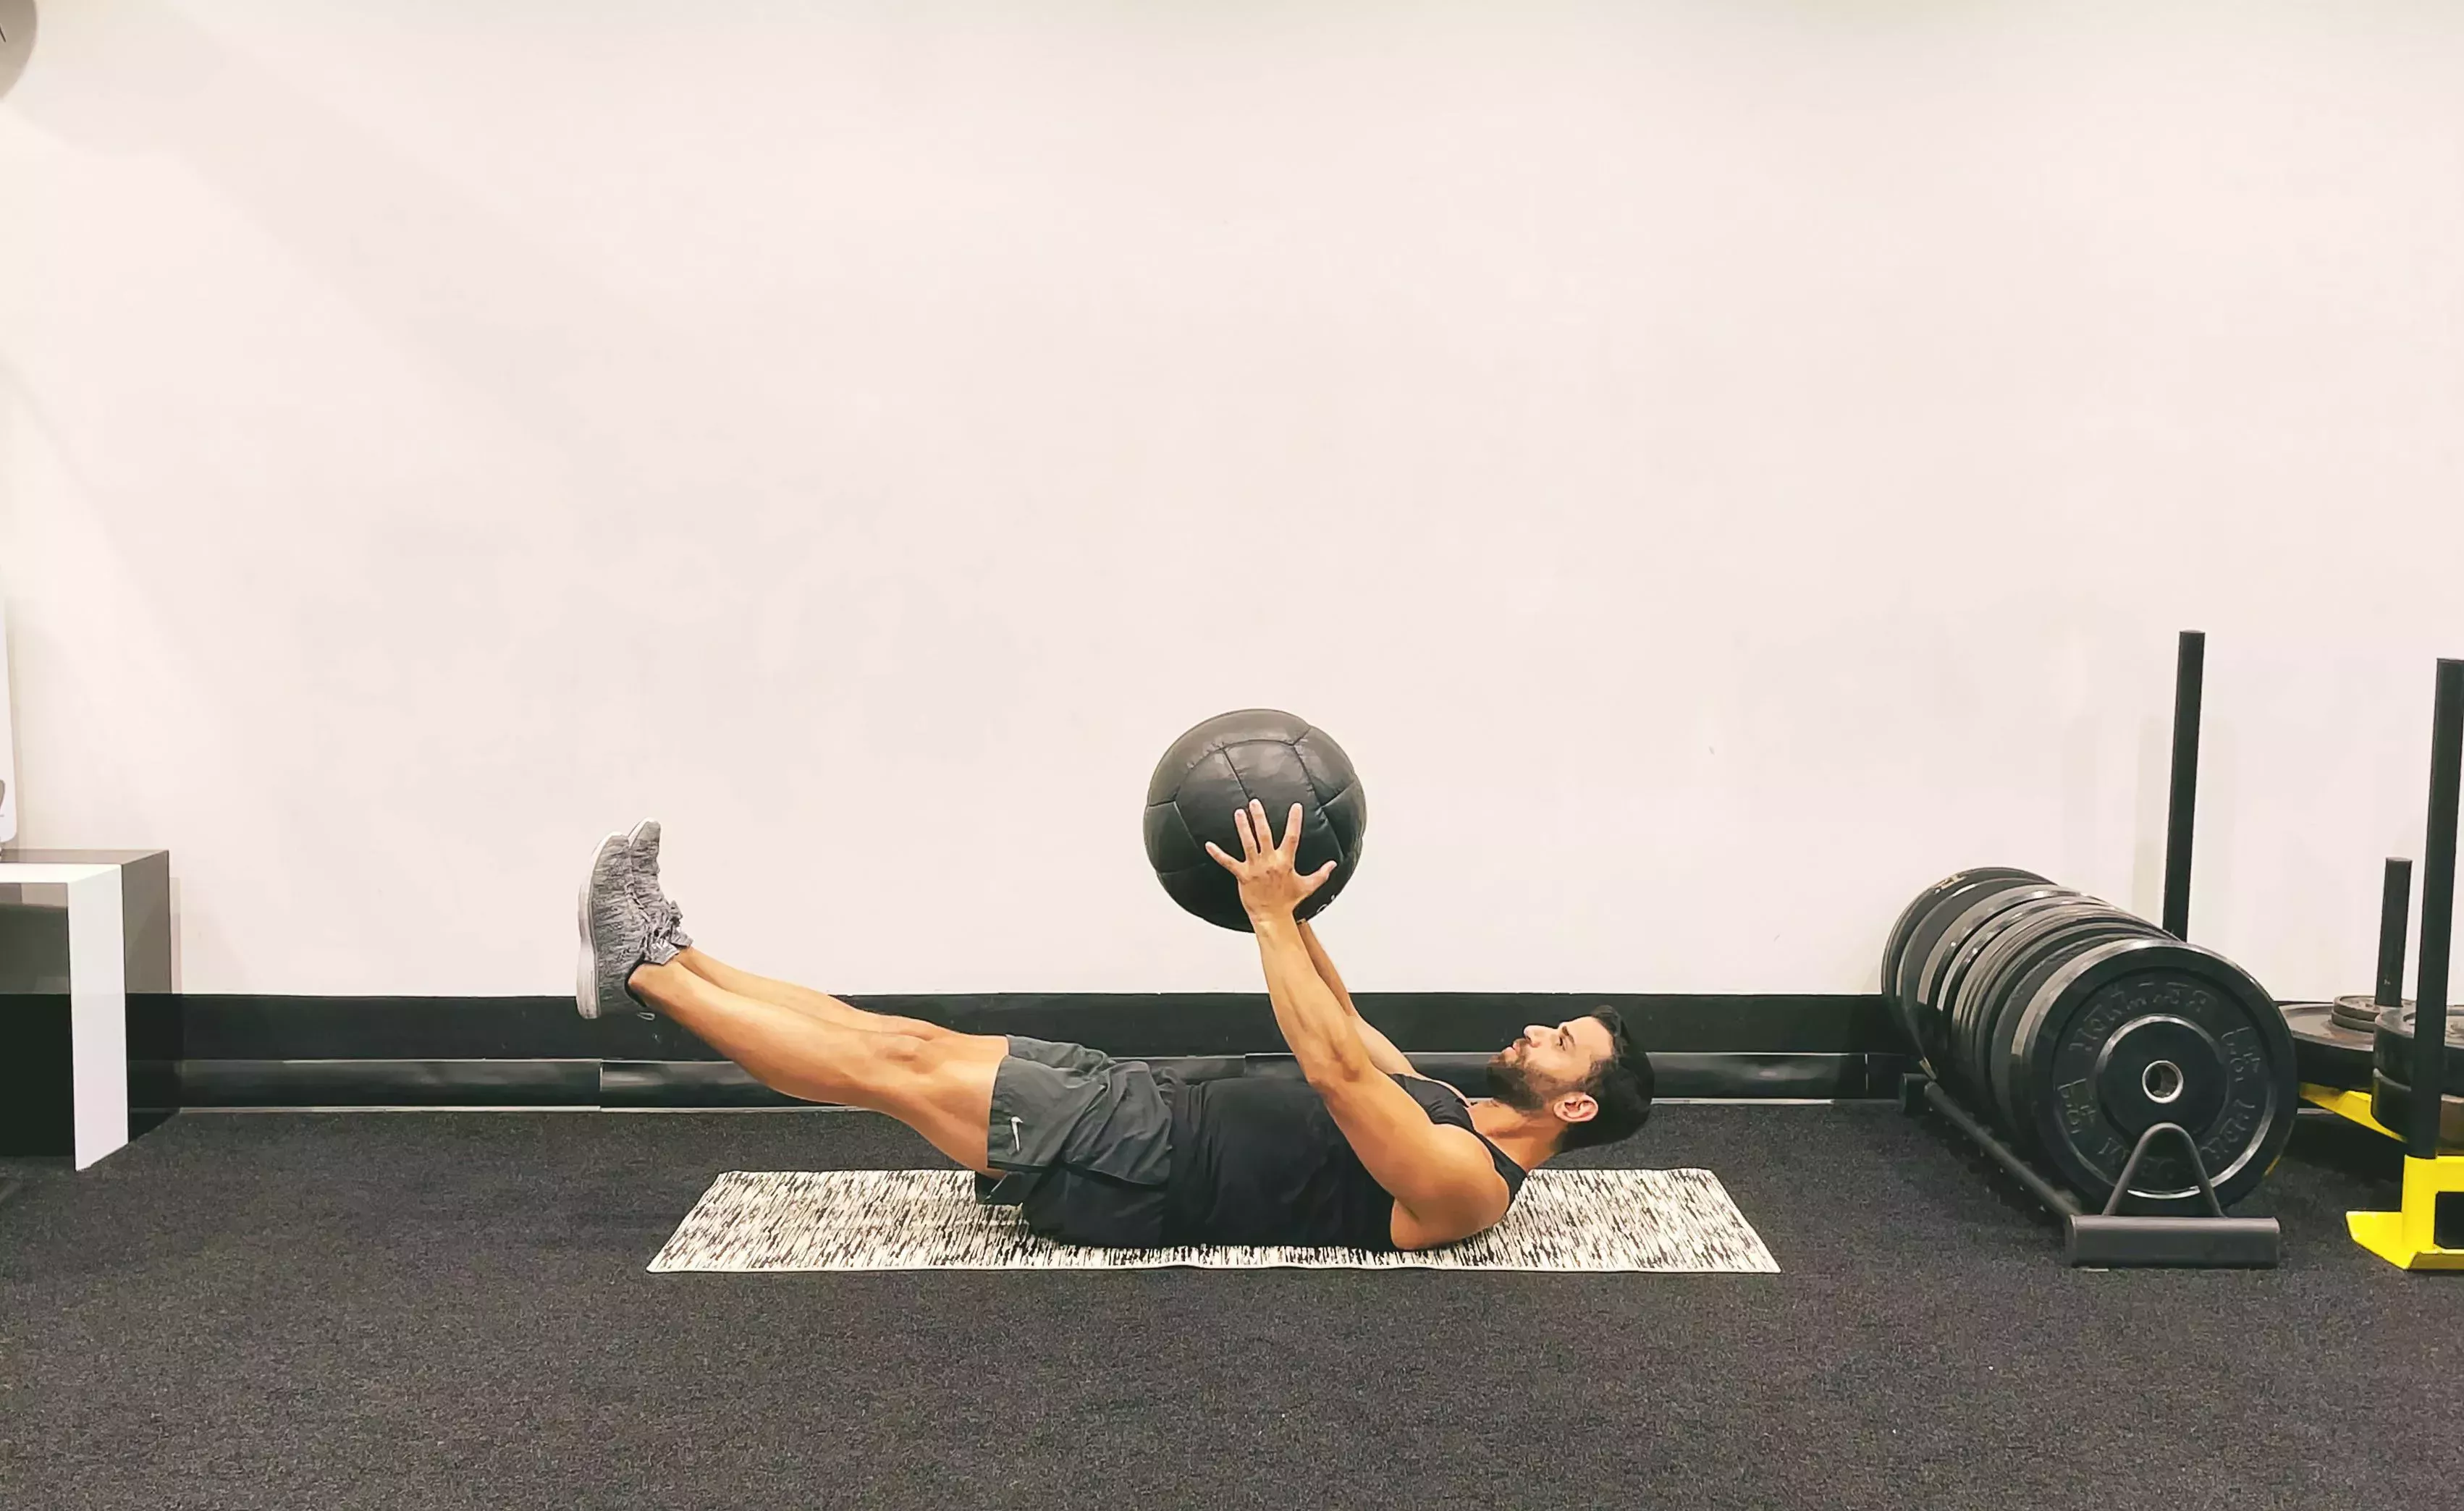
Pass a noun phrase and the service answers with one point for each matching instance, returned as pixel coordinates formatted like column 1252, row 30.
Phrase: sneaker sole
column 586, row 989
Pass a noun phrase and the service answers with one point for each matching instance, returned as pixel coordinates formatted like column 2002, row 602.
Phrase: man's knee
column 892, row 1074
column 925, row 1054
column 907, row 1053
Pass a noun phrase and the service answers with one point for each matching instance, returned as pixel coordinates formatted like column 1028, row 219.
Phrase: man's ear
column 1577, row 1107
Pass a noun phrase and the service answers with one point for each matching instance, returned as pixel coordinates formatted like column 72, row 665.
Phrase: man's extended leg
column 805, row 999
column 942, row 1087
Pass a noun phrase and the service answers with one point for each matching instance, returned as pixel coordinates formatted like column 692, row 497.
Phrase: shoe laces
column 664, row 917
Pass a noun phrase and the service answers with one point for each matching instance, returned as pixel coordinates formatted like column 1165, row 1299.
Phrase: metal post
column 2395, row 902
column 2437, row 912
column 2189, row 675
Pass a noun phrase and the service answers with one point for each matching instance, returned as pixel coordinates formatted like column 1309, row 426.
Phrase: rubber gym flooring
column 450, row 1309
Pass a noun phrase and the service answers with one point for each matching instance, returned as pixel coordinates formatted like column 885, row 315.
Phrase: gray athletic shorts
column 1083, row 1143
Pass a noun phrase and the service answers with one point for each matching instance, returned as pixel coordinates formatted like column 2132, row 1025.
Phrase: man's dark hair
column 1621, row 1084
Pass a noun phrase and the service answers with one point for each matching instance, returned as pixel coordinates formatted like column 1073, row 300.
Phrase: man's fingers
column 1317, row 877
column 1258, row 839
column 1222, row 860
column 1265, row 826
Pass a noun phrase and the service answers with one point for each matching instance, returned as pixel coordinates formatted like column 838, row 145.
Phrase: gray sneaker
column 666, row 921
column 615, row 933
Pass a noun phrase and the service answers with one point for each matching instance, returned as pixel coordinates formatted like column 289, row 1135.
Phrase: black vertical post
column 2189, row 673
column 2395, row 901
column 2437, row 913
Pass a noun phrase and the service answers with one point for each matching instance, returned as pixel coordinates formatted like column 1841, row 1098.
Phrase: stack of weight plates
column 2392, row 1072
column 2332, row 1041
column 2076, row 1026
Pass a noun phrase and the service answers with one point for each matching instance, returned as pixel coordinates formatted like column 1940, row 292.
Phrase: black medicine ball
column 1213, row 769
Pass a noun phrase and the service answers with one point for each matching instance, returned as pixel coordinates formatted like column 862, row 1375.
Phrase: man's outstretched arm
column 1325, row 1035
column 1440, row 1177
column 1381, row 1049
column 1443, row 1185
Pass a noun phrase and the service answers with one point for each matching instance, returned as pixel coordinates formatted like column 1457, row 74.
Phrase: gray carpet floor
column 453, row 1310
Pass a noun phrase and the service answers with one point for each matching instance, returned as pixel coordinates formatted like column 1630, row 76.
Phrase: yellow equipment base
column 2406, row 1238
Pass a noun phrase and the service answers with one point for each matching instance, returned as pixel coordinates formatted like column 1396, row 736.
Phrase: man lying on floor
column 1363, row 1153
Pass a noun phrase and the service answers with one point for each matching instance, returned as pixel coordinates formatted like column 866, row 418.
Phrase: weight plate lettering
column 2049, row 954
column 2027, row 947
column 2135, row 1031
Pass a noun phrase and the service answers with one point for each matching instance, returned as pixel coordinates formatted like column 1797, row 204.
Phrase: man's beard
column 1511, row 1083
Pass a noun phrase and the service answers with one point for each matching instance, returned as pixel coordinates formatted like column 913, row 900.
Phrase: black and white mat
column 1670, row 1221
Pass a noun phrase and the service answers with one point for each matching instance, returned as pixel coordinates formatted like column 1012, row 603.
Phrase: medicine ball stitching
column 1317, row 799
column 1320, row 800
column 1324, row 800
column 1203, row 859
column 1222, row 749
column 1246, row 795
column 1234, row 767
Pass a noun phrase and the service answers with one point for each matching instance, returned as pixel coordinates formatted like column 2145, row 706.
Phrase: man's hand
column 1271, row 885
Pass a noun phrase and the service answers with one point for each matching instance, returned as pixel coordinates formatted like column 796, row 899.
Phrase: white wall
column 1716, row 464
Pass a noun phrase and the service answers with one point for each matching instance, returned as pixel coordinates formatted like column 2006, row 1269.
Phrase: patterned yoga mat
column 1669, row 1221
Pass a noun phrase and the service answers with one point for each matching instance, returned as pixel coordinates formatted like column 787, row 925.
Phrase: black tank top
column 1259, row 1159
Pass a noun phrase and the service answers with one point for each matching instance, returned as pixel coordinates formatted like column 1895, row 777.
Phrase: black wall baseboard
column 389, row 1083
column 252, row 1051
column 218, row 1027
column 677, row 1084
column 535, row 1051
